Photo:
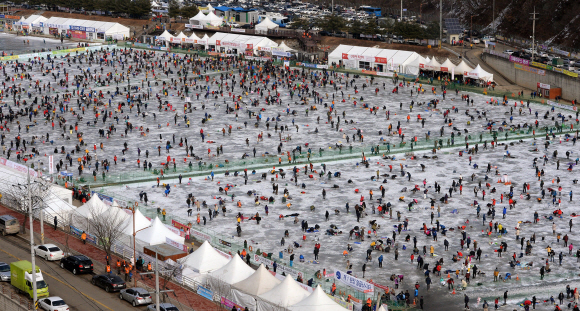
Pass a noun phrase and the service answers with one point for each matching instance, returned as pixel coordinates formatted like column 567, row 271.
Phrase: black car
column 111, row 283
column 77, row 264
column 325, row 33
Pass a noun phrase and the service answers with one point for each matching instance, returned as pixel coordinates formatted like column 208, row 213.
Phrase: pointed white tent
column 199, row 19
column 317, row 301
column 204, row 260
column 213, row 19
column 462, row 68
column 286, row 48
column 181, row 35
column 194, row 37
column 141, row 222
column 266, row 25
column 234, row 271
column 413, row 67
column 447, row 66
column 157, row 233
column 479, row 73
column 384, row 308
column 258, row 283
column 92, row 208
column 286, row 294
column 165, row 36
column 433, row 65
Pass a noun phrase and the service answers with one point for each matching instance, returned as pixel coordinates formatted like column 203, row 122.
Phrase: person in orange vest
column 84, row 237
column 108, row 269
column 369, row 302
column 126, row 273
column 118, row 266
column 149, row 269
column 333, row 291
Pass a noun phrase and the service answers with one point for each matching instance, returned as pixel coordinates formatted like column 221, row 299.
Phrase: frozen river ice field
column 448, row 167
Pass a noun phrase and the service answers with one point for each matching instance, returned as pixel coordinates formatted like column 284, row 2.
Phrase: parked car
column 111, row 283
column 53, row 303
column 163, row 307
column 246, row 26
column 77, row 264
column 9, row 225
column 4, row 272
column 136, row 296
column 325, row 33
column 49, row 252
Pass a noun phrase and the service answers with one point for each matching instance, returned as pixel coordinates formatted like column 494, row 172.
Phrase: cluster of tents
column 259, row 290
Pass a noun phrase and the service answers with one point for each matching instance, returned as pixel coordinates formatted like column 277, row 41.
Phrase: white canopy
column 165, row 36
column 384, row 308
column 213, row 19
column 433, row 65
column 204, row 260
column 462, row 68
column 447, row 66
column 198, row 19
column 266, row 24
column 157, row 233
column 479, row 73
column 317, row 301
column 141, row 222
column 258, row 283
column 286, row 48
column 413, row 67
column 181, row 35
column 194, row 36
column 234, row 271
column 92, row 208
column 286, row 294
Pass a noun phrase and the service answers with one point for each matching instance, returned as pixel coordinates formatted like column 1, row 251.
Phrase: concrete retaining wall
column 570, row 86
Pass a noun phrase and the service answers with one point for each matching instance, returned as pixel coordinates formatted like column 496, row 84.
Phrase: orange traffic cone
column 517, row 278
column 448, row 276
column 453, row 292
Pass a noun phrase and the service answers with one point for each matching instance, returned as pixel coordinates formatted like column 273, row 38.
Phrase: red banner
column 344, row 56
column 444, row 69
column 421, row 65
column 179, row 225
column 381, row 60
column 217, row 42
column 250, row 46
column 383, row 287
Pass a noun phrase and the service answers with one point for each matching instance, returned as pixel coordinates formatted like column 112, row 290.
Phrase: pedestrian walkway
column 185, row 298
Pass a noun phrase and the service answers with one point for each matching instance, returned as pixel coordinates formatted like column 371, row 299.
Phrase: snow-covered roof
column 204, row 260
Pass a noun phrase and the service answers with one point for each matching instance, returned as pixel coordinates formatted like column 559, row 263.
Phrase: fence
column 10, row 301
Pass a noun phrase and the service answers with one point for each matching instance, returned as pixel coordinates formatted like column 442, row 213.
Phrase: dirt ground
column 330, row 43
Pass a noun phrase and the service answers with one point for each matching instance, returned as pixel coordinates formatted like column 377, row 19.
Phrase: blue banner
column 80, row 28
column 204, row 292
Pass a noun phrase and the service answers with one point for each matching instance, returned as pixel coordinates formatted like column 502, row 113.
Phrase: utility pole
column 157, row 291
column 332, row 8
column 441, row 23
column 533, row 32
column 32, row 259
column 493, row 16
column 401, row 10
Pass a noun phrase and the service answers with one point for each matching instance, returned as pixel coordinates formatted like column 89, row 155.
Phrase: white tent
column 194, row 37
column 433, row 65
column 266, row 25
column 479, row 73
column 447, row 66
column 355, row 57
column 56, row 207
column 94, row 207
column 165, row 36
column 462, row 69
column 213, row 19
column 286, row 48
column 234, row 271
column 204, row 260
column 199, row 19
column 258, row 283
column 384, row 308
column 141, row 222
column 157, row 234
column 413, row 67
column 317, row 301
column 286, row 294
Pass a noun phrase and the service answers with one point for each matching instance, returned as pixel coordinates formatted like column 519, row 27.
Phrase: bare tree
column 106, row 226
column 15, row 195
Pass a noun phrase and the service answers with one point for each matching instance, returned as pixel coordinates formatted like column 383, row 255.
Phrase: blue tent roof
column 223, row 8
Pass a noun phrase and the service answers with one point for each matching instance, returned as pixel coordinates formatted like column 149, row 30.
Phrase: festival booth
column 199, row 19
column 416, row 65
column 30, row 23
column 93, row 208
column 59, row 208
column 234, row 271
column 317, row 301
column 204, row 260
column 462, row 69
column 379, row 61
column 433, row 65
column 479, row 73
column 447, row 66
column 239, row 44
column 286, row 48
column 286, row 294
column 157, row 233
column 85, row 29
column 244, row 292
column 266, row 25
column 141, row 222
column 164, row 37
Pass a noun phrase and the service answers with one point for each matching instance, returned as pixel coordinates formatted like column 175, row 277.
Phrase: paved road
column 77, row 291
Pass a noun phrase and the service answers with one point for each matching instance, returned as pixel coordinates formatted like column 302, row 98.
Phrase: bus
column 372, row 11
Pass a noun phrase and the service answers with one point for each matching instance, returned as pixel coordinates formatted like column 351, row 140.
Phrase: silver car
column 163, row 307
column 136, row 296
column 4, row 272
